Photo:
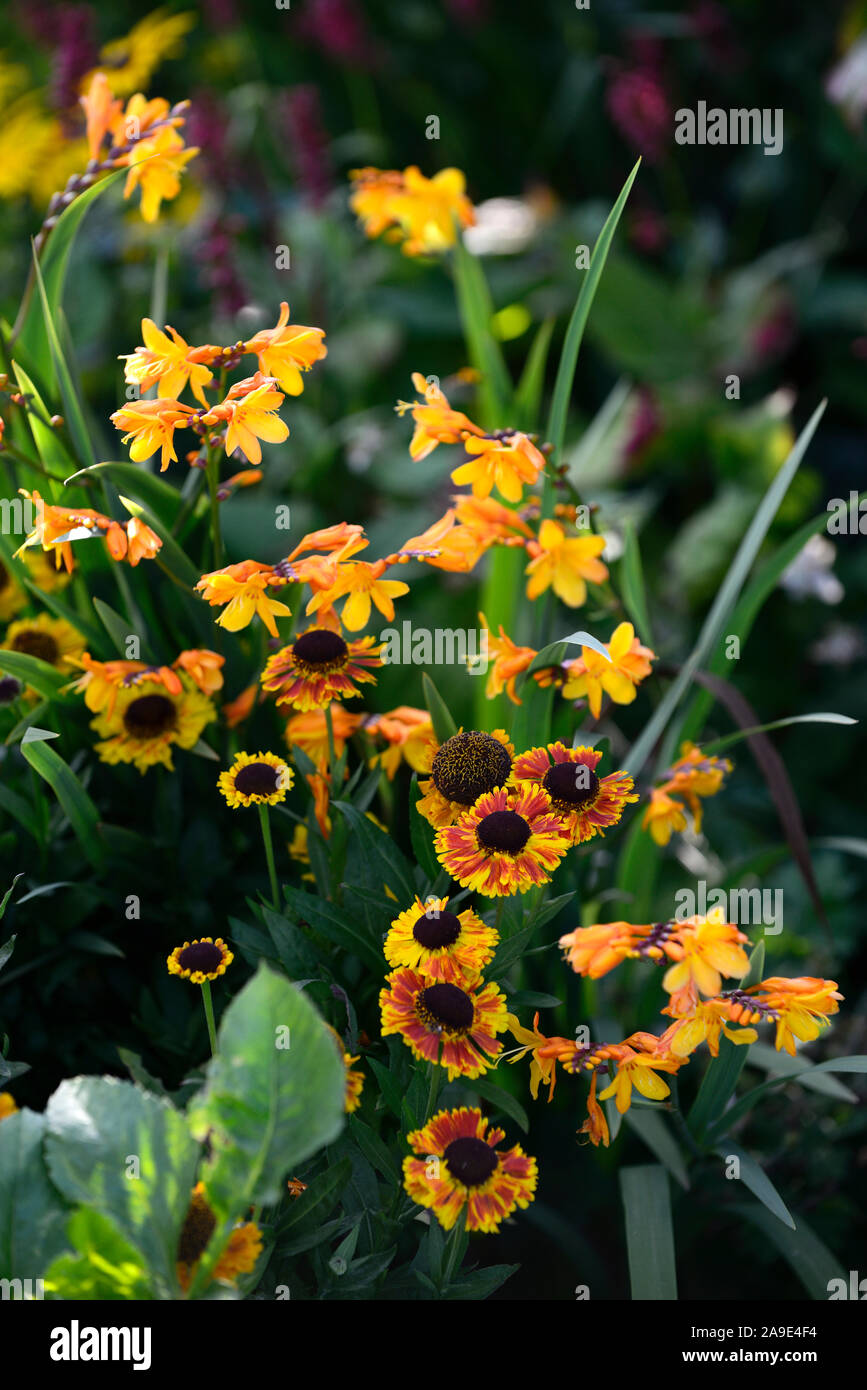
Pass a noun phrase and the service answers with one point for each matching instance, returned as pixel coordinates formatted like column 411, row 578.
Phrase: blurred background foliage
column 728, row 261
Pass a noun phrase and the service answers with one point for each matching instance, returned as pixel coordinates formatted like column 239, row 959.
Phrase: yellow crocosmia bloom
column 506, row 461
column 801, row 1007
column 241, row 588
column 151, row 426
column 542, row 1069
column 408, row 732
column 639, row 1069
column 591, row 674
column 707, row 1022
column 363, row 583
column 428, row 211
column 249, row 411
column 663, row 816
column 704, row 949
column 285, row 351
column 130, row 62
column 435, row 421
column 565, row 563
column 168, row 363
column 155, row 165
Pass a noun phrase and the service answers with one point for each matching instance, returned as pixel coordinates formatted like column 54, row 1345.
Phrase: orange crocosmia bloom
column 151, row 426
column 169, row 363
column 309, row 731
column 639, row 1069
column 363, row 583
column 242, row 588
column 565, row 563
column 239, row 709
column 285, row 352
column 707, row 1022
column 800, row 1007
column 101, row 110
column 370, row 200
column 506, row 461
column 593, row 951
column 490, row 520
column 509, row 661
column 596, row 1125
column 435, row 421
column 443, row 546
column 663, row 816
column 346, row 537
column 319, row 786
column 156, row 164
column 249, row 413
column 591, row 674
column 542, row 1068
column 143, row 543
column 704, row 949
column 204, row 667
column 427, row 210
column 408, row 732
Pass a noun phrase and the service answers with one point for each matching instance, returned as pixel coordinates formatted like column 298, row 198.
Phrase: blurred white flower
column 842, row 645
column 846, row 84
column 808, row 576
column 503, row 226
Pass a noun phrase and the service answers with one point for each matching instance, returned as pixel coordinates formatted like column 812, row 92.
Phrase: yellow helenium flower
column 50, row 639
column 147, row 720
column 260, row 779
column 565, row 563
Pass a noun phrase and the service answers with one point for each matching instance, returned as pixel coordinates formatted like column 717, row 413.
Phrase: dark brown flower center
column 470, row 1161
column 33, row 642
column 202, row 955
column 10, row 689
column 4, row 575
column 196, row 1231
column 149, row 716
column 573, row 784
column 505, row 831
column 257, row 779
column 320, row 647
column 446, row 1007
column 436, row 929
column 470, row 764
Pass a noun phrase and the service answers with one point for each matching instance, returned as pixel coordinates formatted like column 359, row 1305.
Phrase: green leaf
column 116, row 626
column 379, row 852
column 55, row 259
column 338, row 926
column 753, row 1176
column 726, row 598
column 528, row 397
column 846, row 1065
column 147, row 488
column 632, row 585
column 378, row 1154
column 421, row 835
column 72, row 408
column 271, row 1098
column 32, row 1213
column 479, row 1284
column 575, row 333
column 106, row 1269
column 171, row 556
column 53, row 454
column 4, row 904
column 649, row 1232
column 30, row 670
column 476, row 310
column 443, row 724
column 501, row 1100
column 810, row 1259
column 721, row 743
column 651, row 1127
column 96, row 1127
column 776, row 1063
column 391, row 1088
column 319, row 1197
column 74, row 800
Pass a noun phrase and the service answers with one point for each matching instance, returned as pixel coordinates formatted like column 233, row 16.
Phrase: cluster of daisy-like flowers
column 695, row 775
column 436, row 1000
column 699, row 952
column 421, row 214
column 247, row 412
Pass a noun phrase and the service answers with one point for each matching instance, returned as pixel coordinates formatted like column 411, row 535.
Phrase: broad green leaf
column 575, row 333
column 33, row 1214
column 274, row 1094
column 753, row 1176
column 651, row 1127
column 726, row 598
column 106, row 1269
column 808, row 1256
column 649, row 1232
column 74, row 800
column 128, row 1155
column 443, row 723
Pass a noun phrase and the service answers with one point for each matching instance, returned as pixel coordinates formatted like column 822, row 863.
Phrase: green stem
column 436, row 1076
column 213, row 474
column 453, row 1250
column 332, row 754
column 269, row 855
column 209, row 1015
